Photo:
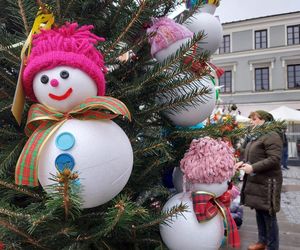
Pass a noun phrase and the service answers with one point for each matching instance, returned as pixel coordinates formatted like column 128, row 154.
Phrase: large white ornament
column 185, row 232
column 211, row 27
column 63, row 93
column 163, row 54
column 191, row 115
column 103, row 159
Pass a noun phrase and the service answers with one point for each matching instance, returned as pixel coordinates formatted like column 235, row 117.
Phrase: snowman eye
column 64, row 74
column 44, row 79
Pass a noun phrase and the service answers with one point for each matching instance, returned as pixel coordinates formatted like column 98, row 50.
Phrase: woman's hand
column 238, row 165
column 247, row 168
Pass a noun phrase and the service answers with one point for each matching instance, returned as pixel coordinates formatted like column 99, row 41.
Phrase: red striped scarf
column 42, row 122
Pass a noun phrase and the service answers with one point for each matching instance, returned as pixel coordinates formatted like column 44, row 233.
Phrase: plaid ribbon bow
column 42, row 122
column 206, row 206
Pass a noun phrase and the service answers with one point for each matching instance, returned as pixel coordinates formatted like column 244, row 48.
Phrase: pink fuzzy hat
column 164, row 32
column 68, row 45
column 208, row 161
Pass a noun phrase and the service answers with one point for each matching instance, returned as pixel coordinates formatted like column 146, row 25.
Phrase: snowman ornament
column 207, row 166
column 65, row 70
column 166, row 37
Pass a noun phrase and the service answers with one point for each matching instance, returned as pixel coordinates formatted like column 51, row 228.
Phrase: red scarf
column 206, row 206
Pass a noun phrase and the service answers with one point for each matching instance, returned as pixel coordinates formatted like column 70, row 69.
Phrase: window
column 261, row 39
column 293, row 34
column 225, row 46
column 261, row 79
column 293, row 76
column 226, row 81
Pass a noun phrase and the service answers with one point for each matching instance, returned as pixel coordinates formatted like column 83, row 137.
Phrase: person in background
column 236, row 209
column 262, row 181
column 284, row 157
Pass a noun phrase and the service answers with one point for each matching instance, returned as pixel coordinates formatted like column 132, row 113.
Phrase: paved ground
column 288, row 217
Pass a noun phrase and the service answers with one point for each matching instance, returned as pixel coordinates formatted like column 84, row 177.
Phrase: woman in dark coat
column 262, row 182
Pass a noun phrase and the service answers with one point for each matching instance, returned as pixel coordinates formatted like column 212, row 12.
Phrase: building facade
column 261, row 59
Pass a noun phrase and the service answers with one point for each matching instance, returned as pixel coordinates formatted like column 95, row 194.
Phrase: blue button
column 64, row 161
column 65, row 141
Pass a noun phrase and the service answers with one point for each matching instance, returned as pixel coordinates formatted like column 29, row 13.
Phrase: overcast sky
column 233, row 10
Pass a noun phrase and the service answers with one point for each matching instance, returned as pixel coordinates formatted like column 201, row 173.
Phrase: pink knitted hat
column 164, row 32
column 68, row 45
column 208, row 161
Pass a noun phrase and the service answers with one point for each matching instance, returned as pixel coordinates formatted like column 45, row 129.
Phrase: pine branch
column 127, row 28
column 23, row 15
column 58, row 10
column 180, row 102
column 116, row 16
column 16, row 60
column 65, row 191
column 5, row 108
column 121, row 208
column 166, row 217
column 149, row 79
column 152, row 148
column 5, row 134
column 63, row 231
column 19, row 189
column 70, row 2
column 11, row 83
column 13, row 214
column 11, row 157
column 156, row 163
column 18, row 231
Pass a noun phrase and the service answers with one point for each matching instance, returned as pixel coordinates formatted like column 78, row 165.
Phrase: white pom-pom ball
column 103, row 159
column 185, row 232
column 211, row 27
column 192, row 114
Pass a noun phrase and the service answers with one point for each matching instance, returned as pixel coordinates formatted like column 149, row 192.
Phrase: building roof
column 250, row 19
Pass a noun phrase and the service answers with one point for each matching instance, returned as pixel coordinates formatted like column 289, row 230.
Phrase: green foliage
column 32, row 219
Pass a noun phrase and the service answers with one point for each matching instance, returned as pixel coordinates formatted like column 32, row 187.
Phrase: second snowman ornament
column 207, row 166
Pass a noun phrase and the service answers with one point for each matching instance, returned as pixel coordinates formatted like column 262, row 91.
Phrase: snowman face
column 63, row 87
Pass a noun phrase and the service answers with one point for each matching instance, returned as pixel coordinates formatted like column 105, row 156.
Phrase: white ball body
column 211, row 27
column 163, row 54
column 185, row 232
column 191, row 115
column 103, row 158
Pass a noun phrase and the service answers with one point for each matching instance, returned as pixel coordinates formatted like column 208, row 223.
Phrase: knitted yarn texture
column 165, row 32
column 208, row 161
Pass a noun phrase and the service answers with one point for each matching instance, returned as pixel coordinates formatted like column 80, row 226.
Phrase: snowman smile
column 61, row 97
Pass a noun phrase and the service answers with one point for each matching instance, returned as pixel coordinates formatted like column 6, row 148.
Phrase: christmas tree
column 154, row 91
